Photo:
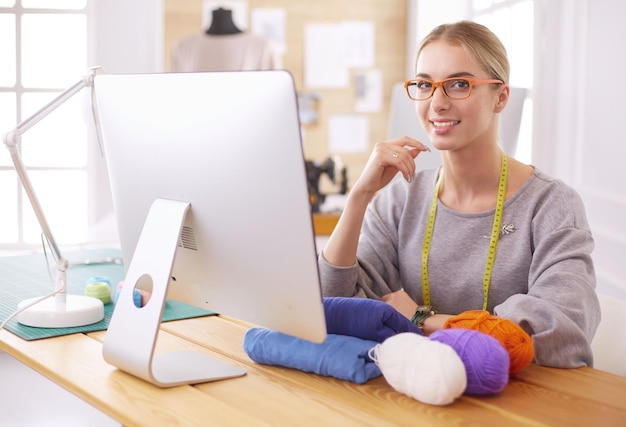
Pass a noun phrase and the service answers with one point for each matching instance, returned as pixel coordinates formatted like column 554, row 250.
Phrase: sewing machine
column 315, row 170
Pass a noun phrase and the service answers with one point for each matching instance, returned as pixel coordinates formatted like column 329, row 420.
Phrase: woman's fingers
column 387, row 159
column 403, row 152
column 409, row 144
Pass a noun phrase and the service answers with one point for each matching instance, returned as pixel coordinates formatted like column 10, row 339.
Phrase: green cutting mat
column 23, row 277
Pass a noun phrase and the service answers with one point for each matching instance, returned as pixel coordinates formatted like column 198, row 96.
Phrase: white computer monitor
column 211, row 167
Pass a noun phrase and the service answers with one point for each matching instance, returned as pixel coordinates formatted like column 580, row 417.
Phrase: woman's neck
column 470, row 179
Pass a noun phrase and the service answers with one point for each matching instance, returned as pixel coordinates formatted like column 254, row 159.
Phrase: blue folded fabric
column 364, row 318
column 340, row 356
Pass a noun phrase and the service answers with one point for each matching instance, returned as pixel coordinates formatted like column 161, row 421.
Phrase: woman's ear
column 503, row 98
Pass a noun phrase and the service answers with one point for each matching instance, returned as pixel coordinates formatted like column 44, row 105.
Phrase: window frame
column 23, row 205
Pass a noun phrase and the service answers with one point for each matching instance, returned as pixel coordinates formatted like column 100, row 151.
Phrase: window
column 513, row 22
column 43, row 44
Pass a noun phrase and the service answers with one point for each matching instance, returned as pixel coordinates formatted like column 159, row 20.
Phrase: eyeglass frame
column 471, row 80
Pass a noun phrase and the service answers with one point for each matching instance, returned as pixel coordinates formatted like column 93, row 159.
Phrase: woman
column 484, row 231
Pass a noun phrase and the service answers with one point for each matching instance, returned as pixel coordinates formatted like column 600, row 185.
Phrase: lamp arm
column 61, row 263
column 34, row 201
column 12, row 140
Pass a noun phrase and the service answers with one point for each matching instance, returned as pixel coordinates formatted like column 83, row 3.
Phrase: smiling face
column 452, row 124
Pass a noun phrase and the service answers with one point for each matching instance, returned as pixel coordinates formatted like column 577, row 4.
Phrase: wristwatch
column 422, row 312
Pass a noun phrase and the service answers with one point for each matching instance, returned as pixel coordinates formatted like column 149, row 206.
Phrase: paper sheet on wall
column 324, row 62
column 368, row 91
column 359, row 42
column 348, row 133
column 271, row 22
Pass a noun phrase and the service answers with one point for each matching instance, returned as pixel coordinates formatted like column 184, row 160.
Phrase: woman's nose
column 439, row 101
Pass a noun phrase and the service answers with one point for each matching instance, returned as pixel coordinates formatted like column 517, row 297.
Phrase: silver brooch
column 505, row 228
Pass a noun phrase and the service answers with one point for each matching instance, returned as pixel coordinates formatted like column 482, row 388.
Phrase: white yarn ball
column 428, row 371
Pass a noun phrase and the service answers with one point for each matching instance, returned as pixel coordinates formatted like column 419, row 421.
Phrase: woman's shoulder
column 553, row 198
column 544, row 183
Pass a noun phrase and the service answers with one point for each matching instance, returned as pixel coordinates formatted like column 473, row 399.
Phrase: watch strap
column 422, row 313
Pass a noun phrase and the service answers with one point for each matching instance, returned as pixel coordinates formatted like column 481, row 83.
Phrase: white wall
column 579, row 134
column 127, row 37
column 600, row 166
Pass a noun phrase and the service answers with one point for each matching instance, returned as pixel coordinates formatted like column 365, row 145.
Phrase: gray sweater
column 543, row 277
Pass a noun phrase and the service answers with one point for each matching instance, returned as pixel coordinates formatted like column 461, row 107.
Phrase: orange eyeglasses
column 454, row 88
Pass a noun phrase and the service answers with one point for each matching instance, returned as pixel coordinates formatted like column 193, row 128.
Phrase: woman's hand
column 402, row 302
column 386, row 160
column 435, row 323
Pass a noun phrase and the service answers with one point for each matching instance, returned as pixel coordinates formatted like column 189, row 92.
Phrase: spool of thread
column 428, row 371
column 99, row 287
column 485, row 359
column 515, row 340
column 139, row 299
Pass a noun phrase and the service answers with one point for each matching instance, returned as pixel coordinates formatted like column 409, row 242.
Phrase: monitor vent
column 187, row 239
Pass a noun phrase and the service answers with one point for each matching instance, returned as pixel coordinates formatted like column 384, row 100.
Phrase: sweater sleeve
column 376, row 272
column 561, row 310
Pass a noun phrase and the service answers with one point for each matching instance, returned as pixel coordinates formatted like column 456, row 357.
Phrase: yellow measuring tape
column 493, row 243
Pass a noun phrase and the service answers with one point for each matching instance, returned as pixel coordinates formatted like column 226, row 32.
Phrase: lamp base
column 78, row 310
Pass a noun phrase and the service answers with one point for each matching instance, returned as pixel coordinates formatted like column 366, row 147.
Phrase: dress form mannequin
column 224, row 47
column 222, row 23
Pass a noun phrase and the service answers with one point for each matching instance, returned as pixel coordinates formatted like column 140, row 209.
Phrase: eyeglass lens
column 456, row 88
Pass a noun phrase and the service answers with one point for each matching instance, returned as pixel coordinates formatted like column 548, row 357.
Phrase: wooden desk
column 272, row 396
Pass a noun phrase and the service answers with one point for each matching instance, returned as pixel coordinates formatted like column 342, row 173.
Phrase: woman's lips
column 443, row 126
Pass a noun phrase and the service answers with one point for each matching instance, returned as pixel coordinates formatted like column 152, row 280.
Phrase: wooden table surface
column 274, row 396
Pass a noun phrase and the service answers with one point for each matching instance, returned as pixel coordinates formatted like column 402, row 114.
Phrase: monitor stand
column 131, row 338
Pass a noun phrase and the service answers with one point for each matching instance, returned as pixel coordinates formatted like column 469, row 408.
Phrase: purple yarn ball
column 486, row 360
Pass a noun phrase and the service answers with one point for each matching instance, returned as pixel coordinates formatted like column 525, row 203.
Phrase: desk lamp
column 58, row 310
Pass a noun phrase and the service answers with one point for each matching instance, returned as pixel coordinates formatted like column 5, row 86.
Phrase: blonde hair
column 479, row 41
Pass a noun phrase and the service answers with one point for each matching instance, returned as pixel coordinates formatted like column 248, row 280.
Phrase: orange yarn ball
column 515, row 340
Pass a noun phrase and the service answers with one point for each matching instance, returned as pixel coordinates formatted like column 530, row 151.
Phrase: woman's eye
column 423, row 85
column 460, row 84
